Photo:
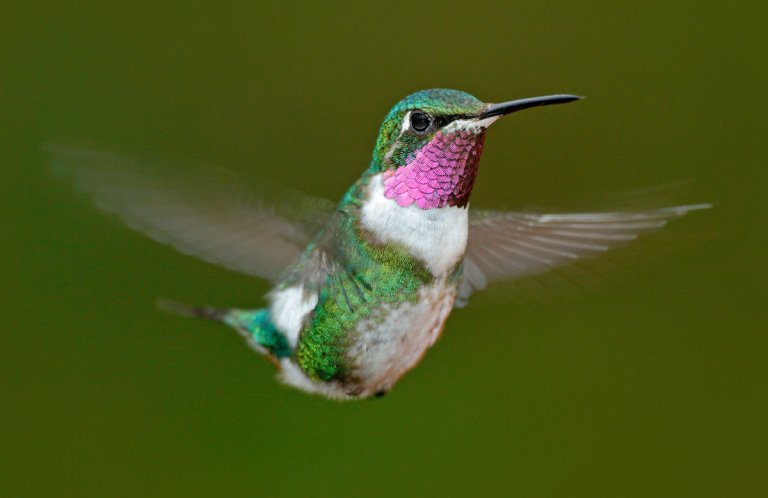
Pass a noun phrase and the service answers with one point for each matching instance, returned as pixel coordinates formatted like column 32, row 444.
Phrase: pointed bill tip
column 521, row 104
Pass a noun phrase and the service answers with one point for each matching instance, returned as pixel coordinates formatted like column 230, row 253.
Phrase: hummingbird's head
column 430, row 144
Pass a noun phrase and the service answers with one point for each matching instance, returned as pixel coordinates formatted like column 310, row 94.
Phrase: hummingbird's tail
column 254, row 325
column 189, row 311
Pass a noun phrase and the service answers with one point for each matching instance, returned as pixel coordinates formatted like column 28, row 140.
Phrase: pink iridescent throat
column 441, row 174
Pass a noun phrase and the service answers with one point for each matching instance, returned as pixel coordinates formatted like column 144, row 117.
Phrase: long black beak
column 520, row 104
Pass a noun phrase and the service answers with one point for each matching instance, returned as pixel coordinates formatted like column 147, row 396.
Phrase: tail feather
column 189, row 311
column 254, row 325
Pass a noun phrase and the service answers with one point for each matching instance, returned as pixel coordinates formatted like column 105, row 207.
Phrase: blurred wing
column 508, row 245
column 200, row 210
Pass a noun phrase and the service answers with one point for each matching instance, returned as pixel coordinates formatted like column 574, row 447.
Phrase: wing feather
column 200, row 210
column 508, row 245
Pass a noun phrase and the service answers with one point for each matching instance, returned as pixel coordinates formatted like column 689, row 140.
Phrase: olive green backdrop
column 649, row 384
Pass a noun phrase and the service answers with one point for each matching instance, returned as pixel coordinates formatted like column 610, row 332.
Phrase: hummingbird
column 363, row 287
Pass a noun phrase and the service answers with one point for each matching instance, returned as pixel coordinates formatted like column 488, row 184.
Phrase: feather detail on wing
column 326, row 265
column 509, row 245
column 200, row 210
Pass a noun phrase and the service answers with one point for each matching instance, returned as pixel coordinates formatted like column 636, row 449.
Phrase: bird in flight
column 362, row 287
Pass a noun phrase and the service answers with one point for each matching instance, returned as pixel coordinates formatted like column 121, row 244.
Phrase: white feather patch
column 289, row 308
column 438, row 237
column 293, row 375
column 472, row 124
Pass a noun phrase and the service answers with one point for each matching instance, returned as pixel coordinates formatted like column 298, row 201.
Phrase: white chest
column 438, row 237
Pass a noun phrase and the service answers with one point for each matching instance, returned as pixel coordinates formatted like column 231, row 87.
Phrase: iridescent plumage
column 441, row 173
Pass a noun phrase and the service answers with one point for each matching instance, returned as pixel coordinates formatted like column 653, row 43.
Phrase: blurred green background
column 654, row 385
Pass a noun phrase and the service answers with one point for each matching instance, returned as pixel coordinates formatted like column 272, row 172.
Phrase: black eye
column 420, row 121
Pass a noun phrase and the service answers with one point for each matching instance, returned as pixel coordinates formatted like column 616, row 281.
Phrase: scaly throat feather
column 442, row 172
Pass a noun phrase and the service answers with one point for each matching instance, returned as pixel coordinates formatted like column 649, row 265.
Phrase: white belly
column 394, row 339
column 386, row 345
